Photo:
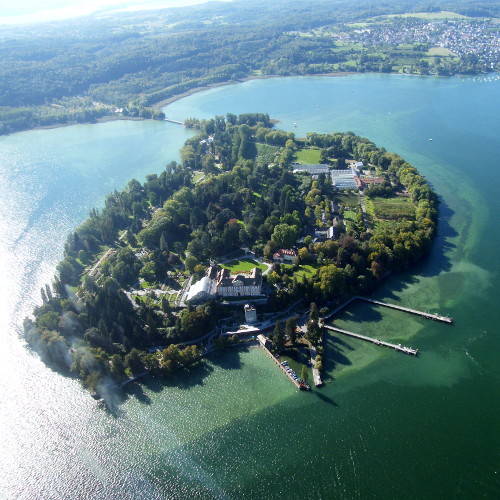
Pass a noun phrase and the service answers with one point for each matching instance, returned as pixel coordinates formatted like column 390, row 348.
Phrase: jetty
column 263, row 342
column 169, row 120
column 435, row 317
column 316, row 375
column 397, row 347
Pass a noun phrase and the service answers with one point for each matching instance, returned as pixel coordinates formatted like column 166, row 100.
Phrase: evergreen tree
column 313, row 313
column 163, row 242
column 278, row 337
column 291, row 329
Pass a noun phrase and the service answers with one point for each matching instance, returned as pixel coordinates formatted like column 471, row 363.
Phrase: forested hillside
column 81, row 70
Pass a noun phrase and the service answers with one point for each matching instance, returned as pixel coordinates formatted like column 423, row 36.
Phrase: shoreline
column 103, row 119
column 165, row 102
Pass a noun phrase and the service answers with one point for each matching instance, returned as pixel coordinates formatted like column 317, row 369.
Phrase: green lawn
column 308, row 156
column 306, row 270
column 243, row 265
column 197, row 176
column 440, row 51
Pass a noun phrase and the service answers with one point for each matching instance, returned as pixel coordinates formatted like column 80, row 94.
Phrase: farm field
column 348, row 199
column 266, row 153
column 391, row 208
column 430, row 15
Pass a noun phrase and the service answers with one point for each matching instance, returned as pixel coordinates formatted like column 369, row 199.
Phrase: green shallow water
column 385, row 425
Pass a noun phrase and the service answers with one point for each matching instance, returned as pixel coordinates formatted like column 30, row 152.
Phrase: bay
column 384, row 425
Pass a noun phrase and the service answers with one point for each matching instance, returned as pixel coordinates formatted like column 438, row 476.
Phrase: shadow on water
column 438, row 260
column 335, row 353
column 183, row 379
column 228, row 359
column 325, row 399
column 337, row 343
column 359, row 312
column 434, row 264
column 137, row 391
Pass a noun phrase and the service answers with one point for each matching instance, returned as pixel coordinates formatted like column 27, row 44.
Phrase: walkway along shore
column 173, row 121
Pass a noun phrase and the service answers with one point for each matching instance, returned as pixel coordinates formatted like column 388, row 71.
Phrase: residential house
column 283, row 255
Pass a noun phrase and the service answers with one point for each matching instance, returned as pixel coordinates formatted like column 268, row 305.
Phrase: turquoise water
column 384, row 426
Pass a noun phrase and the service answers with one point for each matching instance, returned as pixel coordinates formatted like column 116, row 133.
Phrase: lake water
column 384, row 426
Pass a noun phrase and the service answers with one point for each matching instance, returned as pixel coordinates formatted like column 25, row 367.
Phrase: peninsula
column 253, row 216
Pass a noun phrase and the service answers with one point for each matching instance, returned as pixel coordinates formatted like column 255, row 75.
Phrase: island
column 253, row 228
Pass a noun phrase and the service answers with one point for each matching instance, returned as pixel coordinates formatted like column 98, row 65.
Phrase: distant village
column 478, row 38
column 432, row 40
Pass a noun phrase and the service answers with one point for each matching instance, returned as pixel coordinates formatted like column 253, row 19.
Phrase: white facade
column 239, row 285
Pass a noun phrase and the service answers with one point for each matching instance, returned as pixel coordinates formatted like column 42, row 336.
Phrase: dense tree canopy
column 91, row 325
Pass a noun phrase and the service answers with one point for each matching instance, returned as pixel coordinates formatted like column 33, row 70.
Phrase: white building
column 313, row 169
column 201, row 291
column 344, row 179
column 283, row 255
column 222, row 282
column 239, row 285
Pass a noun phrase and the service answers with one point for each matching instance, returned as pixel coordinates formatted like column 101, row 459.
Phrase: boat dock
column 397, row 347
column 435, row 317
column 262, row 341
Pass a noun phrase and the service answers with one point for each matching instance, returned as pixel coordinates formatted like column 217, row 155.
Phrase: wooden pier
column 397, row 347
column 435, row 317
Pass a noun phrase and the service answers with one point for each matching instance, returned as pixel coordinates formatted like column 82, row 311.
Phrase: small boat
column 430, row 140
